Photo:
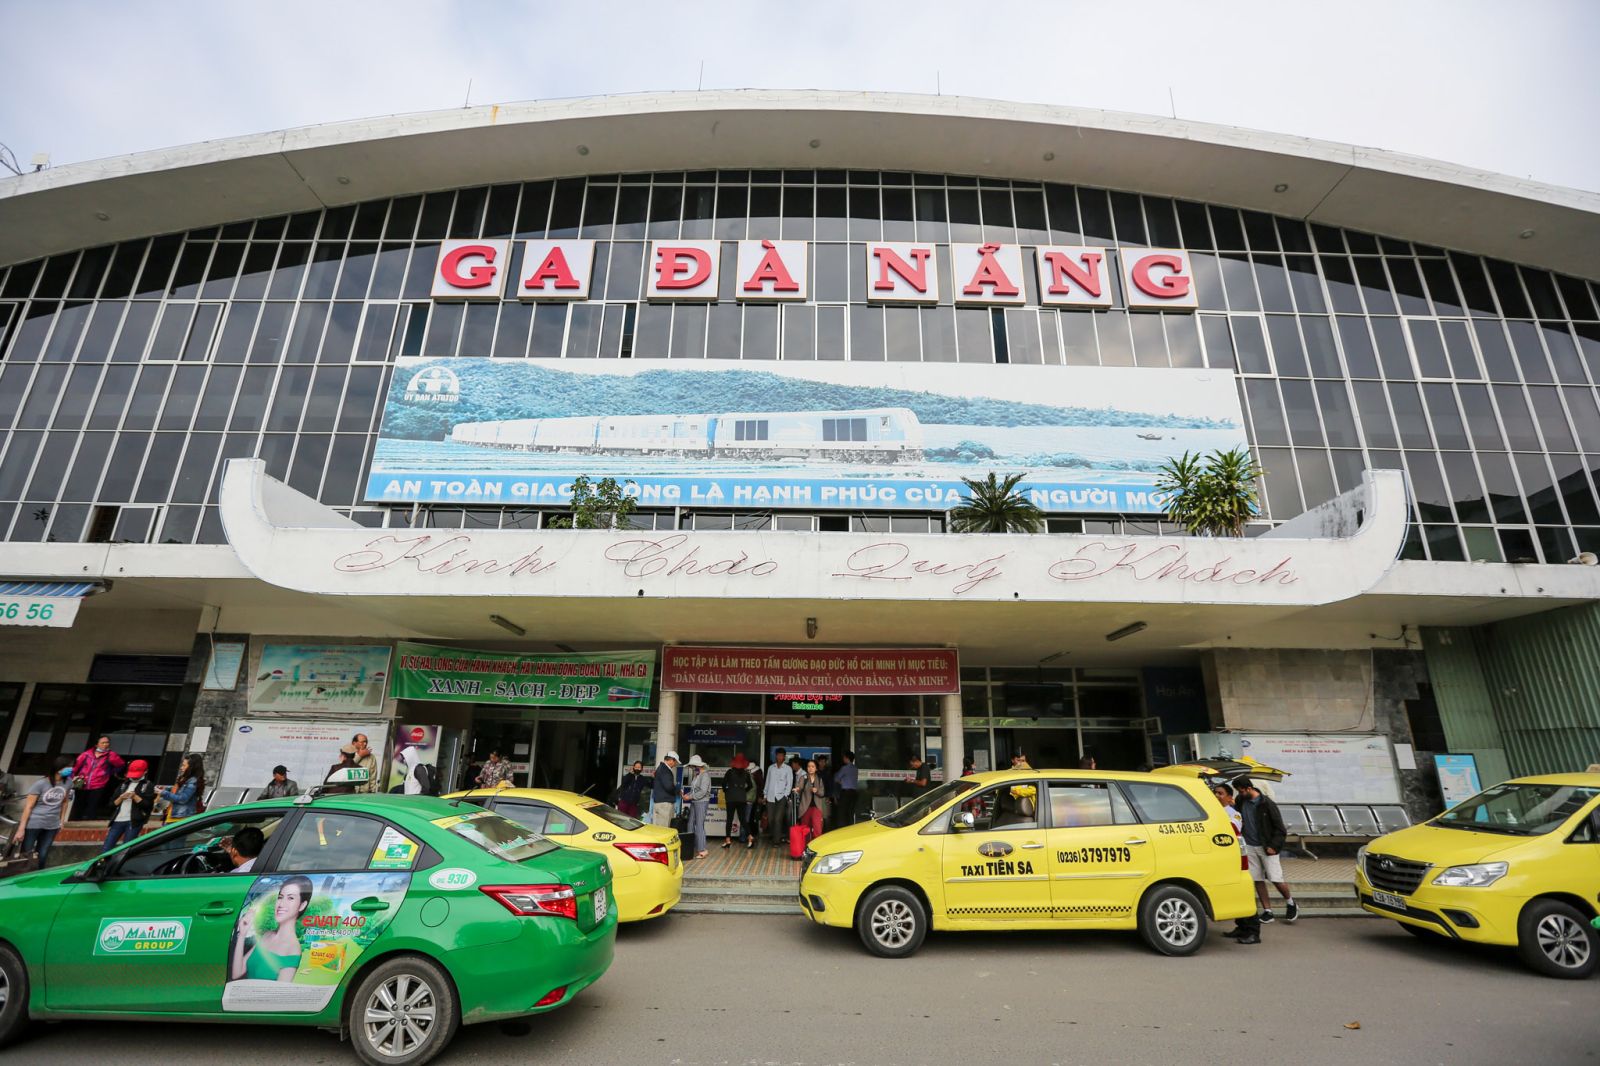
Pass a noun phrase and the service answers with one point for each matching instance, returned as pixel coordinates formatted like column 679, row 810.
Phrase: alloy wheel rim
column 1563, row 941
column 1177, row 922
column 5, row 990
column 399, row 1016
column 892, row 923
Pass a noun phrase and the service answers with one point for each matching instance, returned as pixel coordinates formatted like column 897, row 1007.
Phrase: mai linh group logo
column 433, row 384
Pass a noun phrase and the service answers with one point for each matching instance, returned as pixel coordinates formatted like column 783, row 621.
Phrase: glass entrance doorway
column 577, row 757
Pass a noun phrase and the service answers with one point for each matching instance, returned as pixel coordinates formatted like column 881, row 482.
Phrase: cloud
column 1469, row 81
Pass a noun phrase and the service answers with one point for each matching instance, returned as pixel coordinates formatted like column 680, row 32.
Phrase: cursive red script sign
column 431, row 553
column 827, row 671
column 891, row 560
column 666, row 557
column 1165, row 562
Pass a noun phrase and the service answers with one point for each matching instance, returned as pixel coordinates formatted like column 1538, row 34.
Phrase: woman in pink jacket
column 95, row 773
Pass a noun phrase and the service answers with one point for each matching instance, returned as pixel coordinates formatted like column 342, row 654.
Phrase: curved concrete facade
column 338, row 163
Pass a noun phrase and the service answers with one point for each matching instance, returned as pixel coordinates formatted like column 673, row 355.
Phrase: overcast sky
column 1503, row 87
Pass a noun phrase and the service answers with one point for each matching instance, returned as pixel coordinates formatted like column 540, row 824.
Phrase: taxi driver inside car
column 1035, row 849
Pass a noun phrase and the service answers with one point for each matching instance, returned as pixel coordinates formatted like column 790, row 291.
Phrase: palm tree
column 996, row 507
column 1211, row 495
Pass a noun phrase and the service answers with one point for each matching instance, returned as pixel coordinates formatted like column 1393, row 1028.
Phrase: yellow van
column 1516, row 865
column 1034, row 849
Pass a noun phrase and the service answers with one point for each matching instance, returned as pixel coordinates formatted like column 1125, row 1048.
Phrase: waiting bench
column 1339, row 823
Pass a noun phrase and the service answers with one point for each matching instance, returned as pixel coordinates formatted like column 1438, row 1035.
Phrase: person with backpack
column 134, row 800
column 736, row 784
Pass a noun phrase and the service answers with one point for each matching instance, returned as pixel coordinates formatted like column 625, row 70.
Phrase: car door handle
column 217, row 909
column 1031, row 846
column 370, row 904
column 1136, row 840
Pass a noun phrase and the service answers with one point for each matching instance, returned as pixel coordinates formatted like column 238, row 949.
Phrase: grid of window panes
column 131, row 371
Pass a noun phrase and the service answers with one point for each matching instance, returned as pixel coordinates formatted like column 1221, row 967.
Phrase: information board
column 1458, row 777
column 308, row 749
column 1324, row 767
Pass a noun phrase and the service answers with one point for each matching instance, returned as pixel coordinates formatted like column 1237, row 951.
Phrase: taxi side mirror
column 96, row 871
column 961, row 821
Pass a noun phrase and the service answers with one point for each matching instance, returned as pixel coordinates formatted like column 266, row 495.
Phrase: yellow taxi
column 646, row 860
column 1034, row 849
column 1517, row 865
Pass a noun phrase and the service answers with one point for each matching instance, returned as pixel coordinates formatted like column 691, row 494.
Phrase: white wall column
column 950, row 732
column 666, row 724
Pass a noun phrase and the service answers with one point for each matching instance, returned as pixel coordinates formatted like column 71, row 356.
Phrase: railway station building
column 291, row 424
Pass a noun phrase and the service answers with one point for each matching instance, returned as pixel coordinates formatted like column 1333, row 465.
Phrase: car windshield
column 499, row 836
column 615, row 817
column 926, row 803
column 1520, row 810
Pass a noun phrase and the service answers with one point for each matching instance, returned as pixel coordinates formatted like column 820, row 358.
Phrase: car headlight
column 837, row 862
column 1475, row 876
column 1361, row 857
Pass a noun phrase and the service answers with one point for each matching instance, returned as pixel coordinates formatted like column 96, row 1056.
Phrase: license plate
column 600, row 905
column 1389, row 900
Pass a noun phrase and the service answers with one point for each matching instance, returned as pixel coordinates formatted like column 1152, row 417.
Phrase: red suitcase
column 799, row 837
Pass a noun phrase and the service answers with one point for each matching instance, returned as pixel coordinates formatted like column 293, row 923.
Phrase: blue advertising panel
column 810, row 436
column 1458, row 777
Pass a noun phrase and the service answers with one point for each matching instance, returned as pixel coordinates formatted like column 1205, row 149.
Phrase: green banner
column 616, row 679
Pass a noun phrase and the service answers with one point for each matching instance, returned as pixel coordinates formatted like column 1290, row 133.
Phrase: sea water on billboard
column 862, row 436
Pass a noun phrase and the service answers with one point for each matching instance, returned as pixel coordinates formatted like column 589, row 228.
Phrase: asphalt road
column 773, row 991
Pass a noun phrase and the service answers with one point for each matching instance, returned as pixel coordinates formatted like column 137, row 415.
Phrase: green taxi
column 392, row 919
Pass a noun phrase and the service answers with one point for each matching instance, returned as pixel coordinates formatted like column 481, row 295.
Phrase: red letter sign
column 993, row 272
column 1158, row 279
column 772, row 270
column 470, row 270
column 556, row 270
column 1072, row 276
column 684, row 270
column 900, row 274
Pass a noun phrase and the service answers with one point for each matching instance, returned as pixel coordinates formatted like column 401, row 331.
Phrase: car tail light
column 552, row 996
column 528, row 901
column 644, row 852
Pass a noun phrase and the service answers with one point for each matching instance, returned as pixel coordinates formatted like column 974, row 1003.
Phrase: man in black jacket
column 664, row 790
column 1264, row 837
column 131, row 802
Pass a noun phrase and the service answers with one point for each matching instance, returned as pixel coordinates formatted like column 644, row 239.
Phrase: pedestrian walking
column 811, row 803
column 187, row 795
column 41, row 815
column 1264, row 837
column 134, row 800
column 280, row 786
column 699, row 803
column 1245, row 930
column 846, row 781
column 94, row 774
column 495, row 771
column 780, row 783
column 634, row 782
column 736, row 797
column 664, row 791
column 921, row 776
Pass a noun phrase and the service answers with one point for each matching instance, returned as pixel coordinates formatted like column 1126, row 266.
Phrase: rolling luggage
column 799, row 837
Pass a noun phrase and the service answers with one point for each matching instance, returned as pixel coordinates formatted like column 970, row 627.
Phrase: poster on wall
column 1458, row 777
column 299, row 934
column 862, row 436
column 320, row 677
column 414, row 746
column 308, row 749
column 609, row 679
column 1324, row 767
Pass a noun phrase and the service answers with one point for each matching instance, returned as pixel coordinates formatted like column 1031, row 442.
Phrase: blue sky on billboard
column 1501, row 87
column 863, row 436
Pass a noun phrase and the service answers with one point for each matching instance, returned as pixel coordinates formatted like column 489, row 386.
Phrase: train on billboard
column 809, row 436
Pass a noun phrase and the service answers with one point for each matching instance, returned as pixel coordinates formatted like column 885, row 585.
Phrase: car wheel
column 1172, row 921
column 13, row 996
column 1555, row 939
column 892, row 922
column 402, row 1013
